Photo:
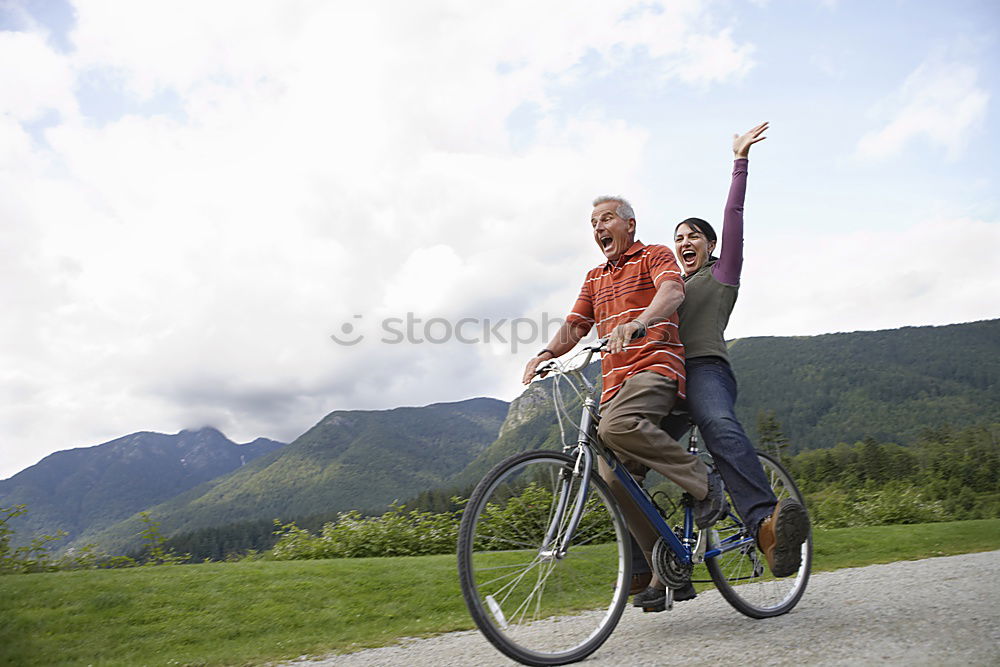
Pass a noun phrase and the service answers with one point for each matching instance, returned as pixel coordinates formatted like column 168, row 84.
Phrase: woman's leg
column 711, row 397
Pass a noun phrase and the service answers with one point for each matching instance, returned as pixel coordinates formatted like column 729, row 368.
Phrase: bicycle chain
column 670, row 570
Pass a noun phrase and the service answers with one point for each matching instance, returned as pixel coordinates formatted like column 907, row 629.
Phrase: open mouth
column 689, row 256
column 606, row 242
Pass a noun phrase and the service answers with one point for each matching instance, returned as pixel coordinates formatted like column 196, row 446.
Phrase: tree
column 873, row 461
column 770, row 436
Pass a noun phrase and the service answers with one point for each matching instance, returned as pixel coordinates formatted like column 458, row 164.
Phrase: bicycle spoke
column 512, row 585
column 506, row 540
column 485, row 584
column 522, row 609
column 502, row 567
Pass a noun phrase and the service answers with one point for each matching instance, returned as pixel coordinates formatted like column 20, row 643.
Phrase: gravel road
column 938, row 611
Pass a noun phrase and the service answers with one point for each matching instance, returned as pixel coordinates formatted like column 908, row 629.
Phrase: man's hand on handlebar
column 533, row 364
column 623, row 333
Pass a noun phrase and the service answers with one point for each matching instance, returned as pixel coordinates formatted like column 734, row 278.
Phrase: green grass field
column 255, row 612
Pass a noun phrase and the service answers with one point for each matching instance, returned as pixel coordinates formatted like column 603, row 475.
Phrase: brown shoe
column 781, row 535
column 639, row 582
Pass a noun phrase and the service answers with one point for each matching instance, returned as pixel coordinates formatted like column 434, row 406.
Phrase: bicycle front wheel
column 742, row 575
column 536, row 605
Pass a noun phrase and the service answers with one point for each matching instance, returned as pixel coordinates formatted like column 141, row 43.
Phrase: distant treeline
column 220, row 542
column 948, row 474
column 236, row 539
column 944, row 460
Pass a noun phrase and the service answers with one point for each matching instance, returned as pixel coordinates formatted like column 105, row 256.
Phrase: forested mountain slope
column 889, row 385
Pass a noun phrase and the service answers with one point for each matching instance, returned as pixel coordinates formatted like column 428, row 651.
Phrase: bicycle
column 541, row 538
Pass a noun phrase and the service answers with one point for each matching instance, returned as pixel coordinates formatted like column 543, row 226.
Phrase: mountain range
column 890, row 385
column 350, row 459
column 81, row 491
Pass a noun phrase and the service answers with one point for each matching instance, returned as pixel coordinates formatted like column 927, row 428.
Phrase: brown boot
column 781, row 535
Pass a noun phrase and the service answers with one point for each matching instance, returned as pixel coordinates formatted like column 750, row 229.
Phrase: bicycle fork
column 556, row 542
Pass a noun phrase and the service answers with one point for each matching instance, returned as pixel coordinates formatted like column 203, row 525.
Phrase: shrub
column 35, row 557
column 32, row 557
column 156, row 552
column 894, row 503
column 414, row 533
column 528, row 513
column 395, row 533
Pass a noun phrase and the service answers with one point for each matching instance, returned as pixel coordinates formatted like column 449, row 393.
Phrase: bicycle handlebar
column 596, row 346
column 552, row 365
column 599, row 344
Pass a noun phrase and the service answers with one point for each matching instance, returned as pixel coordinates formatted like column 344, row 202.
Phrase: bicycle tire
column 742, row 575
column 518, row 596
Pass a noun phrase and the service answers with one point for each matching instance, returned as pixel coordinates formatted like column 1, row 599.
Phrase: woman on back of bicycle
column 711, row 285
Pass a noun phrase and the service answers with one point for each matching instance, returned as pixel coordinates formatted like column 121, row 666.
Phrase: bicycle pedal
column 667, row 604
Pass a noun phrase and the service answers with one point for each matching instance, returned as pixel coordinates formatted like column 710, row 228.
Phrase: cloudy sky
column 194, row 196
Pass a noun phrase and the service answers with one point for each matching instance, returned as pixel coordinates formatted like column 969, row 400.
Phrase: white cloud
column 33, row 78
column 940, row 102
column 713, row 58
column 329, row 159
column 939, row 271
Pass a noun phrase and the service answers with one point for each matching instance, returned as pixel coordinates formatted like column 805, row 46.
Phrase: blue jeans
column 711, row 400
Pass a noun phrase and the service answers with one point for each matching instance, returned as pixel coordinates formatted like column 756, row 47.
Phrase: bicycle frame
column 687, row 549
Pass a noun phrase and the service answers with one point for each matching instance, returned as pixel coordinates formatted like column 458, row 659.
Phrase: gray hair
column 623, row 210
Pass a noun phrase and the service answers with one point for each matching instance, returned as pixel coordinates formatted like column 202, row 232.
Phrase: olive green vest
column 705, row 312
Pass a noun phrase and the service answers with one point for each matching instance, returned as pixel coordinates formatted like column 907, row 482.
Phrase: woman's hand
column 741, row 145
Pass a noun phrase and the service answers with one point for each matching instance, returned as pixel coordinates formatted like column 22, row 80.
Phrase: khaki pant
column 630, row 426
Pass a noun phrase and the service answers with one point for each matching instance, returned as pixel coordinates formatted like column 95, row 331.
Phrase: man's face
column 613, row 234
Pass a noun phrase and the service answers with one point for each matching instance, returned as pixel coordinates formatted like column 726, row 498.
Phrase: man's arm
column 578, row 323
column 566, row 338
column 669, row 295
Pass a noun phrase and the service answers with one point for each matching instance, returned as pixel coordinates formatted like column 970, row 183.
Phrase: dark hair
column 701, row 226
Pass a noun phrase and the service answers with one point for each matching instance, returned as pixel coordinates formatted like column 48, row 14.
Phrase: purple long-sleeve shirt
column 730, row 264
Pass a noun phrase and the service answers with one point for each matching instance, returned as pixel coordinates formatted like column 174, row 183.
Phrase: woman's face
column 692, row 248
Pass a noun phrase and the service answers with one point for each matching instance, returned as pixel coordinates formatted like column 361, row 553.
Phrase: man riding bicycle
column 633, row 299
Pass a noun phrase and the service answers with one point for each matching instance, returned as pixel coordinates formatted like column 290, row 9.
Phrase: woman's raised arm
column 730, row 265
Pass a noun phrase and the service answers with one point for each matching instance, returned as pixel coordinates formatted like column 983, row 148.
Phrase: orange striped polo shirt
column 614, row 294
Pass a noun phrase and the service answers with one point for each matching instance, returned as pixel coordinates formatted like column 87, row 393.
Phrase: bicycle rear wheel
column 519, row 593
column 742, row 575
